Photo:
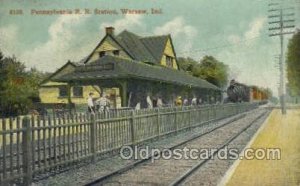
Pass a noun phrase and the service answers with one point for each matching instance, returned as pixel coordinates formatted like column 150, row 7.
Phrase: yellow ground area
column 279, row 132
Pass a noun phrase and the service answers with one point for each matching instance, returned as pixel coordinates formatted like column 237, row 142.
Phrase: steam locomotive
column 238, row 92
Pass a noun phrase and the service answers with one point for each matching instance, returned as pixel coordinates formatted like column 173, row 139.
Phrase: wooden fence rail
column 35, row 145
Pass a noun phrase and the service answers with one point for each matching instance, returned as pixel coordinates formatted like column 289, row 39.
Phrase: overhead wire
column 201, row 50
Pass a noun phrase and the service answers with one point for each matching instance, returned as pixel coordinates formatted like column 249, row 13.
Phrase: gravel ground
column 212, row 172
column 163, row 172
column 87, row 173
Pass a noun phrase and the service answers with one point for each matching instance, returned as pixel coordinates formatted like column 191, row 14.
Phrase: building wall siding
column 108, row 45
column 50, row 94
column 49, row 91
column 169, row 52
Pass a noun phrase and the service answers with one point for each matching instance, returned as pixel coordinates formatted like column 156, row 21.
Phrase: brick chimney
column 110, row 30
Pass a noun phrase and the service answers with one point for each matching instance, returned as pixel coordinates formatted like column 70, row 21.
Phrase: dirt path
column 279, row 132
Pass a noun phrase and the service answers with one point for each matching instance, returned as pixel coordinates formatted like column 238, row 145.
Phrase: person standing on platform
column 149, row 102
column 200, row 101
column 90, row 103
column 159, row 102
column 103, row 103
column 178, row 101
column 194, row 101
column 185, row 102
column 138, row 106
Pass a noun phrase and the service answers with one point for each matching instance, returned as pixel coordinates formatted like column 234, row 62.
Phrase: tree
column 293, row 64
column 186, row 64
column 18, row 87
column 209, row 69
column 213, row 71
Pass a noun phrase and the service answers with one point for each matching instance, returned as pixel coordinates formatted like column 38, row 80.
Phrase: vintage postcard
column 149, row 92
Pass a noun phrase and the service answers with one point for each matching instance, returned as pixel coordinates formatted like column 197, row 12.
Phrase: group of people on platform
column 187, row 102
column 158, row 102
column 103, row 103
column 100, row 104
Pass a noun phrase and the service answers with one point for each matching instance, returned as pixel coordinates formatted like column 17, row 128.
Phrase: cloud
column 234, row 39
column 52, row 54
column 128, row 21
column 8, row 39
column 183, row 37
column 66, row 41
column 249, row 57
column 182, row 33
column 255, row 28
column 176, row 27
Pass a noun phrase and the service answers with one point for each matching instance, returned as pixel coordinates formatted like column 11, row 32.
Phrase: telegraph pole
column 277, row 66
column 280, row 21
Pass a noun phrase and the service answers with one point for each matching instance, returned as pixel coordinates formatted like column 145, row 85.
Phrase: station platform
column 278, row 131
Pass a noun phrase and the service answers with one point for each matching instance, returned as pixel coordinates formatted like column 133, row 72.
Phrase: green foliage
column 268, row 92
column 18, row 87
column 209, row 69
column 293, row 65
column 186, row 64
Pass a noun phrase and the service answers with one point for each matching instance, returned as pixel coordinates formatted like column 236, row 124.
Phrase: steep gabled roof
column 58, row 71
column 156, row 45
column 144, row 49
column 115, row 40
column 133, row 44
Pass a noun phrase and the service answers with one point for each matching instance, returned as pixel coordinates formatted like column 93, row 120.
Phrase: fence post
column 190, row 113
column 175, row 120
column 208, row 112
column 216, row 111
column 133, row 140
column 158, row 123
column 27, row 156
column 93, row 137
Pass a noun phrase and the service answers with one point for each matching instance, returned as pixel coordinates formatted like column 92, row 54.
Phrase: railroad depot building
column 128, row 68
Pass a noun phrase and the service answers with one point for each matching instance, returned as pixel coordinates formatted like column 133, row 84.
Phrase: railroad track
column 188, row 173
column 186, row 167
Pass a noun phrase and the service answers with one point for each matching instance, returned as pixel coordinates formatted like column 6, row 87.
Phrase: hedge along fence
column 35, row 145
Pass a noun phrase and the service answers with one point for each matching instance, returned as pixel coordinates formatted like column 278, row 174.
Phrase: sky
column 233, row 31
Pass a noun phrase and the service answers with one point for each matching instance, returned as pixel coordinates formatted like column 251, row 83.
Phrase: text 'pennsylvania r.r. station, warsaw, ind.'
column 96, row 11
